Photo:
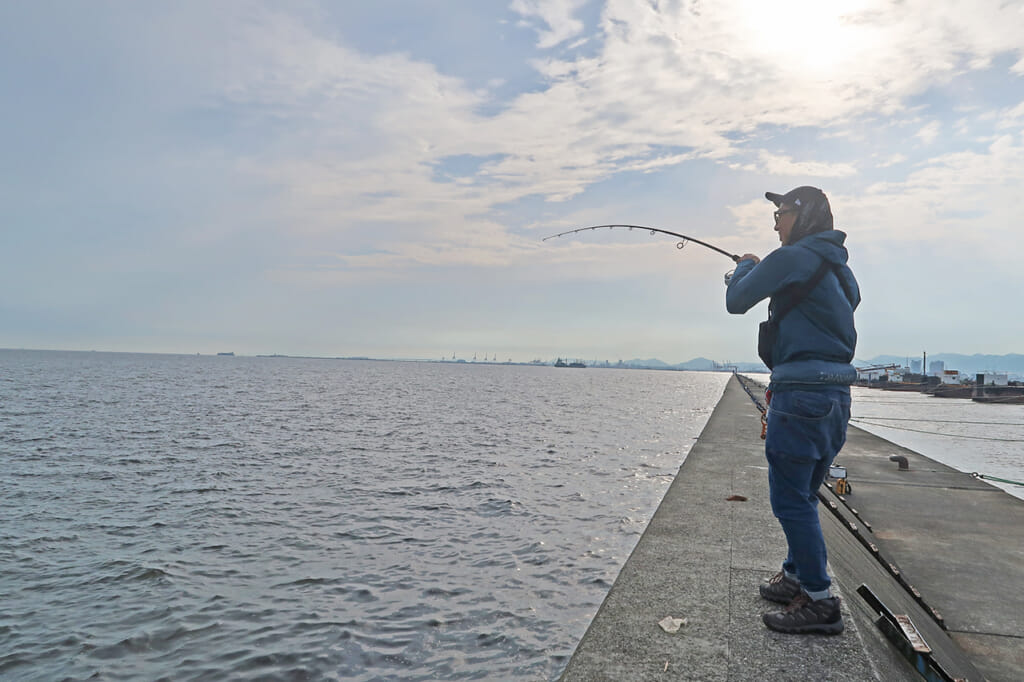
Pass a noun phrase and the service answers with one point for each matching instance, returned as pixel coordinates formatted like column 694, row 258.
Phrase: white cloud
column 349, row 143
column 935, row 201
column 665, row 79
column 362, row 135
column 891, row 160
column 1011, row 117
column 929, row 132
column 556, row 15
column 777, row 164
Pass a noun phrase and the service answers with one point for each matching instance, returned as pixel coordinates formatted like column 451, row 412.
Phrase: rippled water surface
column 245, row 518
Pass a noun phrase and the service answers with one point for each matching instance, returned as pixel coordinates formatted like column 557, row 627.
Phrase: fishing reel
column 728, row 276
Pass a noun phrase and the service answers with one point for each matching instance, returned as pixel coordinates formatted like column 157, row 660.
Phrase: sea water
column 983, row 438
column 198, row 517
column 188, row 517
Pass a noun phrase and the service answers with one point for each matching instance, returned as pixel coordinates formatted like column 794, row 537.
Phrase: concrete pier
column 956, row 540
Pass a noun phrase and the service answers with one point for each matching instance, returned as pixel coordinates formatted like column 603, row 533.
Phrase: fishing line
column 868, row 401
column 941, row 421
column 652, row 230
column 995, row 478
column 933, row 433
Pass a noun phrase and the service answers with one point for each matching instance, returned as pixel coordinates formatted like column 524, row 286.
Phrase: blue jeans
column 805, row 431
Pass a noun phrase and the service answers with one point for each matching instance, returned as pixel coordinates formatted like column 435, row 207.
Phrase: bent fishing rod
column 652, row 230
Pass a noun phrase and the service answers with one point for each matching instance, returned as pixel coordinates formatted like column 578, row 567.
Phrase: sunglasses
column 778, row 214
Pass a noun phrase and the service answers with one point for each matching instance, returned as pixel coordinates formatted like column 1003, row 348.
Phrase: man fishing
column 808, row 343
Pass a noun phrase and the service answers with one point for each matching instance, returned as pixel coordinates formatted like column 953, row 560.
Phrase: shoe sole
column 817, row 628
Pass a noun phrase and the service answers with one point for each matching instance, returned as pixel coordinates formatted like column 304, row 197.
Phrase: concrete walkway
column 702, row 558
column 959, row 540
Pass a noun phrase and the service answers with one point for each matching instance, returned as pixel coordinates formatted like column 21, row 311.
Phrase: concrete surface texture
column 703, row 556
column 959, row 540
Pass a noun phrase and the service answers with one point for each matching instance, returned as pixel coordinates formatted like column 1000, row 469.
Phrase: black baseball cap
column 813, row 211
column 799, row 197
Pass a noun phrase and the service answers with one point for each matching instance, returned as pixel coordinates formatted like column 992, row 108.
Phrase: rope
column 933, row 433
column 945, row 421
column 745, row 383
column 995, row 478
column 991, row 400
column 870, row 401
column 764, row 410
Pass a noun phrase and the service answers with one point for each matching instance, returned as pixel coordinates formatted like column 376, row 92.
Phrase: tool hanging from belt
column 764, row 413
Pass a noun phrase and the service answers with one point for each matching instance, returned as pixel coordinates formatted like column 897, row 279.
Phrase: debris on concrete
column 671, row 625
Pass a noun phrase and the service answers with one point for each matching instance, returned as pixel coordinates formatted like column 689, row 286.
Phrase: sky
column 376, row 178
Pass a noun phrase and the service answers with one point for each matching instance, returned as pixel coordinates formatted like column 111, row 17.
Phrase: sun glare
column 816, row 35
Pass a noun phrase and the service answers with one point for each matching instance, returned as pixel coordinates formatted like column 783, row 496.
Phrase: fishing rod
column 652, row 230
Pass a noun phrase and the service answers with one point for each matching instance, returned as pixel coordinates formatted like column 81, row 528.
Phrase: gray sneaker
column 780, row 589
column 806, row 616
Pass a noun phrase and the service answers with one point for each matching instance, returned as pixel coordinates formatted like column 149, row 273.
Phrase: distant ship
column 952, row 391
column 229, row 353
column 1007, row 395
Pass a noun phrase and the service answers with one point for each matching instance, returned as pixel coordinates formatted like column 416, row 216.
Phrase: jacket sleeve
column 751, row 284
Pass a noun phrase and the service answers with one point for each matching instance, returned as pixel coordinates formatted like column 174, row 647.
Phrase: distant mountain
column 696, row 365
column 1012, row 363
column 652, row 363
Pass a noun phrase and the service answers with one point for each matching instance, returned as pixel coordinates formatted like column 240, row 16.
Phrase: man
column 813, row 295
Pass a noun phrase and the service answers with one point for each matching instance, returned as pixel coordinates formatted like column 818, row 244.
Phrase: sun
column 815, row 35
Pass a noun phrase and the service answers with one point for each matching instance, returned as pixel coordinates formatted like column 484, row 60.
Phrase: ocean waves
column 218, row 518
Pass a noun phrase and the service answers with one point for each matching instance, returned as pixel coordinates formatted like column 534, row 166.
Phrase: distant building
column 915, row 366
column 993, row 379
column 870, row 374
column 905, row 375
column 950, row 376
column 936, row 368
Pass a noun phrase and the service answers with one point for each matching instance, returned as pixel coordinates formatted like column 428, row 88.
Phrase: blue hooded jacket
column 816, row 340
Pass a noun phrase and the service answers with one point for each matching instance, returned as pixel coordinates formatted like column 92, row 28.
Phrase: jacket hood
column 828, row 245
column 814, row 212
